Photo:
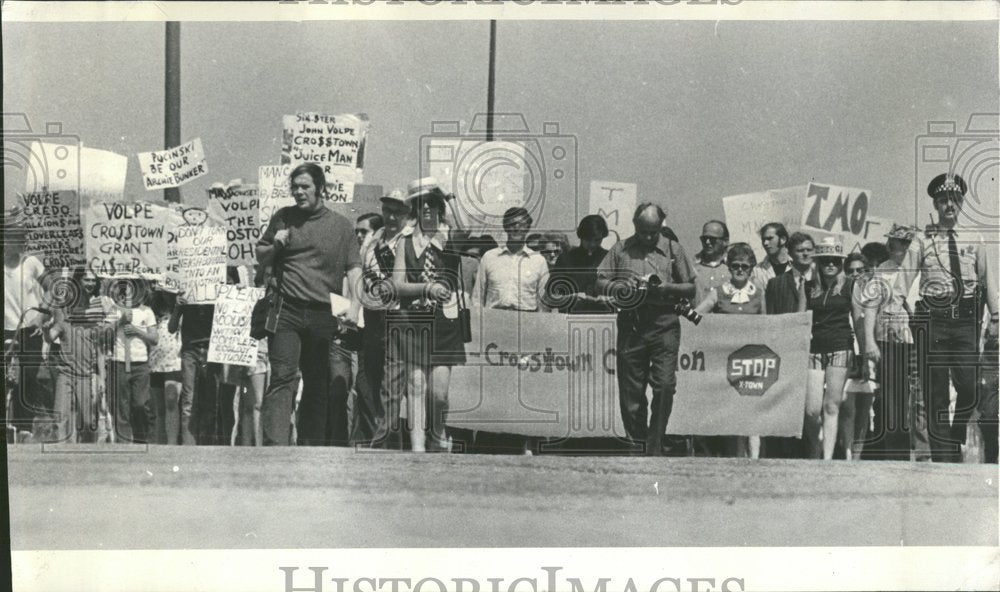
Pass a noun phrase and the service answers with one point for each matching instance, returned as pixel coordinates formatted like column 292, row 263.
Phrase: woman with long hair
column 831, row 348
column 429, row 338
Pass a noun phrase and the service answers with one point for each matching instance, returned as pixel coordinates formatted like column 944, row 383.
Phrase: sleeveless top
column 724, row 304
column 443, row 267
column 831, row 327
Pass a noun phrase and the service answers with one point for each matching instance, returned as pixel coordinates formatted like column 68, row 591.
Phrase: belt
column 963, row 309
column 307, row 304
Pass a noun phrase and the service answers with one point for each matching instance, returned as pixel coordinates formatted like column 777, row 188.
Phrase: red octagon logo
column 753, row 369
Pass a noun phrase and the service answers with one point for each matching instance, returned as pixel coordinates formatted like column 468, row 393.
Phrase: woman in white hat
column 426, row 278
column 831, row 348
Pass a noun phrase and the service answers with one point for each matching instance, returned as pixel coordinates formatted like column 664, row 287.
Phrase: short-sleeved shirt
column 511, row 280
column 928, row 255
column 831, row 326
column 142, row 318
column 320, row 249
column 709, row 278
column 630, row 258
column 21, row 291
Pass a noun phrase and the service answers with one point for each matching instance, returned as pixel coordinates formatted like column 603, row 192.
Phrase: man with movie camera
column 648, row 277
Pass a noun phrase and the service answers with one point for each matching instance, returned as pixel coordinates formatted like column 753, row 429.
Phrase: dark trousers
column 27, row 400
column 989, row 385
column 947, row 350
column 304, row 341
column 132, row 408
column 200, row 407
column 368, row 411
column 647, row 356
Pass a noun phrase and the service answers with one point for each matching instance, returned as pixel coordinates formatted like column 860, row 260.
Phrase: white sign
column 237, row 205
column 173, row 167
column 335, row 142
column 230, row 342
column 273, row 191
column 94, row 174
column 616, row 203
column 838, row 210
column 126, row 239
column 748, row 212
column 201, row 261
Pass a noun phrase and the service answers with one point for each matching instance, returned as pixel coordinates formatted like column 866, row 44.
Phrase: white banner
column 748, row 212
column 173, row 167
column 230, row 342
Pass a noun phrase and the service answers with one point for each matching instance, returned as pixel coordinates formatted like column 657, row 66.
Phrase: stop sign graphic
column 753, row 369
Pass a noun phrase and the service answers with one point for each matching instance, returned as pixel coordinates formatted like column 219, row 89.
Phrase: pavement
column 160, row 497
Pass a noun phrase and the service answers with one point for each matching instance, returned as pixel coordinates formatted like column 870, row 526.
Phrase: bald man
column 645, row 276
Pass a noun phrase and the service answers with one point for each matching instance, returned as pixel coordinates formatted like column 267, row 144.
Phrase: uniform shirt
column 21, row 291
column 629, row 259
column 928, row 255
column 710, row 277
column 511, row 280
column 142, row 318
column 320, row 249
column 883, row 295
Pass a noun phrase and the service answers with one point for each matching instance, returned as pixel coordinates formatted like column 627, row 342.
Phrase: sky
column 690, row 111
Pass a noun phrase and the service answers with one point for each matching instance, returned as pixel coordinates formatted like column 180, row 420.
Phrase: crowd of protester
column 97, row 360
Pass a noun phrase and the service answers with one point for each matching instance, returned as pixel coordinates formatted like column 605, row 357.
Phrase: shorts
column 838, row 359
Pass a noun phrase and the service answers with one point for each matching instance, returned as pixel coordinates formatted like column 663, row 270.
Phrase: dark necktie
column 956, row 266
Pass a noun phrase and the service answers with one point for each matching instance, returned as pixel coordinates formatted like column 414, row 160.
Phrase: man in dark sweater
column 311, row 249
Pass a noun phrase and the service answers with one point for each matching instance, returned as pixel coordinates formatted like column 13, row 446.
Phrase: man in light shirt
column 512, row 276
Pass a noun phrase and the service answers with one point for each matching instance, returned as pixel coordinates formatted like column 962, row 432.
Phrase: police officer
column 646, row 275
column 954, row 276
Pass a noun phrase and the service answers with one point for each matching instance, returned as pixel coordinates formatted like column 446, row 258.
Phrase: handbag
column 264, row 317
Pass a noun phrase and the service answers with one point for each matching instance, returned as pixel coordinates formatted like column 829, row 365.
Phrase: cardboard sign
column 54, row 230
column 230, row 342
column 273, row 191
column 126, row 239
column 615, row 202
column 94, row 174
column 173, row 167
column 747, row 213
column 201, row 262
column 335, row 142
column 834, row 209
column 171, row 274
column 553, row 375
column 238, row 206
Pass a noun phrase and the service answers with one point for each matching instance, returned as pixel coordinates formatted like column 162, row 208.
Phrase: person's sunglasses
column 740, row 267
column 829, row 261
column 855, row 270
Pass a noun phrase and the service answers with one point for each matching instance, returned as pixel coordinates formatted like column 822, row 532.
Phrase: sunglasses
column 824, row 261
column 740, row 267
column 855, row 270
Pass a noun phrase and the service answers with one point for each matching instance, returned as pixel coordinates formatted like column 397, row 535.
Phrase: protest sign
column 273, row 191
column 837, row 210
column 748, row 212
column 54, row 231
column 93, row 174
column 173, row 167
column 615, row 202
column 230, row 342
column 335, row 142
column 875, row 230
column 126, row 239
column 553, row 375
column 201, row 261
column 171, row 274
column 237, row 205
